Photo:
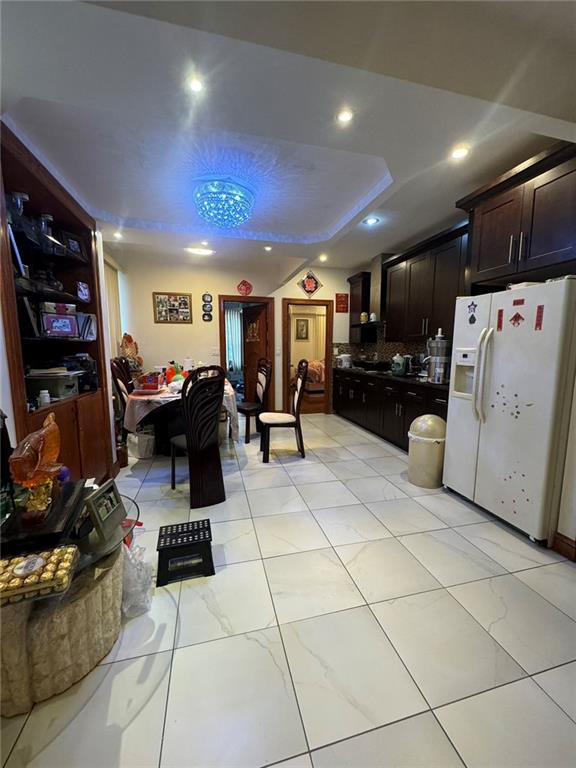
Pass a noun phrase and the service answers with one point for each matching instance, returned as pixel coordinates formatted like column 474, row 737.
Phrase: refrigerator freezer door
column 471, row 321
column 524, row 396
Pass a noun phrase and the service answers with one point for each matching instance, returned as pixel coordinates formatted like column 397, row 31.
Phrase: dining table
column 141, row 404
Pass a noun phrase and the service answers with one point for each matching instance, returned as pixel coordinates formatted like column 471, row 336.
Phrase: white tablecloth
column 139, row 406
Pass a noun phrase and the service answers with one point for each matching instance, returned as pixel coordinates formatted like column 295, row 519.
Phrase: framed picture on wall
column 172, row 307
column 301, row 329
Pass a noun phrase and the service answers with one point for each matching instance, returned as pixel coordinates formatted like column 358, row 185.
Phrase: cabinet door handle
column 520, row 246
column 396, row 408
column 412, row 394
column 511, row 250
column 439, row 400
column 389, row 389
column 422, row 327
column 400, row 409
column 363, row 397
column 426, row 331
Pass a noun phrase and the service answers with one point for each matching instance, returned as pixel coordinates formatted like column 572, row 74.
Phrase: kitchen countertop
column 405, row 380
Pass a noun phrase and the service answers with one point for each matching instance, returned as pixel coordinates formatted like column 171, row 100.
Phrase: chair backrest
column 202, row 395
column 122, row 377
column 263, row 379
column 301, row 376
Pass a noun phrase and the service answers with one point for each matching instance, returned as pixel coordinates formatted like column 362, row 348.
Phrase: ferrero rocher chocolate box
column 40, row 574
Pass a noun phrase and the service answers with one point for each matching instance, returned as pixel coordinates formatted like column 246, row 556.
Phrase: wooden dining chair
column 202, row 394
column 122, row 377
column 268, row 420
column 249, row 409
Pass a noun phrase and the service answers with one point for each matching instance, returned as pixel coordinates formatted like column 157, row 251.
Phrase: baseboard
column 564, row 545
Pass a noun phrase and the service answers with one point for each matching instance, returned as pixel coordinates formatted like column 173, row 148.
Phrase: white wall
column 333, row 281
column 159, row 343
column 5, row 392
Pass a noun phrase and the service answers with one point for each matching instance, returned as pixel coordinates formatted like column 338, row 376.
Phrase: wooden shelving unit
column 83, row 419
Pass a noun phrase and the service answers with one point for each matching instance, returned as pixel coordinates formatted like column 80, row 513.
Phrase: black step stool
column 184, row 551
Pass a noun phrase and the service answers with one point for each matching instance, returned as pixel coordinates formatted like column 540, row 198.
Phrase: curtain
column 113, row 298
column 319, row 337
column 233, row 323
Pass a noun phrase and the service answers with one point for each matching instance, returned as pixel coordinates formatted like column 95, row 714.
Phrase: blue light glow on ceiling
column 224, row 203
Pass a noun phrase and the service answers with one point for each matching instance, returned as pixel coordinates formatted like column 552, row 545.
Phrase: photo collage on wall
column 172, row 307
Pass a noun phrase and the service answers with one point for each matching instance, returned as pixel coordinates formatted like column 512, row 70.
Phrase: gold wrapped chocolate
column 32, row 579
column 13, row 583
column 46, row 576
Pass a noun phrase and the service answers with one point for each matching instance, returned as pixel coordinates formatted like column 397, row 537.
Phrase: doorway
column 246, row 335
column 307, row 326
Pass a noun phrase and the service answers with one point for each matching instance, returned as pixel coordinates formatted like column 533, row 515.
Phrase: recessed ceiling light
column 460, row 151
column 370, row 221
column 323, row 257
column 267, row 247
column 200, row 251
column 204, row 243
column 345, row 116
column 118, row 235
column 195, row 84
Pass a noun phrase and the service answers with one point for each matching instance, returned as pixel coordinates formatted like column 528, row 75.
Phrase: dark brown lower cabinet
column 386, row 407
column 82, row 423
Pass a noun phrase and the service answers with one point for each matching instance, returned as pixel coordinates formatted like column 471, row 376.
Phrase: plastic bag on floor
column 138, row 583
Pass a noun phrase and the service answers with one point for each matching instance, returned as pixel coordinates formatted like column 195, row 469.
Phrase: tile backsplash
column 384, row 350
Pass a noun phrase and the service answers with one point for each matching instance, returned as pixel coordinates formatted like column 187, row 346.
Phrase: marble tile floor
column 353, row 620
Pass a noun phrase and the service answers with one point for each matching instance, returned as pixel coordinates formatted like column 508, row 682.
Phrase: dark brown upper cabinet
column 396, row 302
column 360, row 302
column 496, row 235
column 419, row 282
column 548, row 232
column 526, row 219
column 449, row 260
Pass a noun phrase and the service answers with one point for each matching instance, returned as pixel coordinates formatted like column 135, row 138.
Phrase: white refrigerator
column 511, row 391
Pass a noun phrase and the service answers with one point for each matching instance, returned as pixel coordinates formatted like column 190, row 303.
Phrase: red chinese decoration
column 244, row 288
column 341, row 302
column 310, row 283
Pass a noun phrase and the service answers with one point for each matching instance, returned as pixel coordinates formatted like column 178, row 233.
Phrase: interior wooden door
column 255, row 344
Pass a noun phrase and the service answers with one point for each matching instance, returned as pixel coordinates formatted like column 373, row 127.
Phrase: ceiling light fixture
column 323, row 257
column 204, row 243
column 195, row 84
column 224, row 203
column 267, row 247
column 371, row 221
column 460, row 151
column 118, row 235
column 200, row 251
column 345, row 116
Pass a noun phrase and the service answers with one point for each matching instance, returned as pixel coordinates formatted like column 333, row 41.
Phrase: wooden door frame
column 269, row 302
column 329, row 304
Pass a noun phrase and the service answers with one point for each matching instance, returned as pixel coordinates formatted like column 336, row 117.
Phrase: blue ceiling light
column 224, row 203
column 371, row 221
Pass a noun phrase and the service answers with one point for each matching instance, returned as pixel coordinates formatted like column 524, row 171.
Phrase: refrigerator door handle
column 477, row 374
column 482, row 377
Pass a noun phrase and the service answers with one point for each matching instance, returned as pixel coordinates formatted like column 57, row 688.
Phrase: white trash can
column 427, row 436
column 141, row 444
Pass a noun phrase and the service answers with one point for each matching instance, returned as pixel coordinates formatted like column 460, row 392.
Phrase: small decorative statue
column 129, row 349
column 34, row 465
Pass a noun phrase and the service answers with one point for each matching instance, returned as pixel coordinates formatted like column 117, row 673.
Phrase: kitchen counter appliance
column 511, row 393
column 438, row 359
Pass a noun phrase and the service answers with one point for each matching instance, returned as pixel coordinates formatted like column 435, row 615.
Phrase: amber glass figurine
column 34, row 465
